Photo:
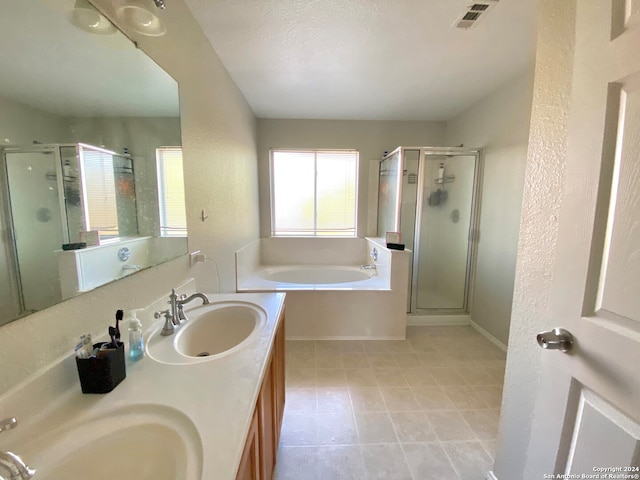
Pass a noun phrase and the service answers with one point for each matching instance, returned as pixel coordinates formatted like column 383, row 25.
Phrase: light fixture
column 85, row 16
column 141, row 16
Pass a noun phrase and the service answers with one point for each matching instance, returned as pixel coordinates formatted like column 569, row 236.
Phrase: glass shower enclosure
column 431, row 195
column 49, row 194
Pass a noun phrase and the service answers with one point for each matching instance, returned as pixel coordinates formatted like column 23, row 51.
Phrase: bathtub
column 329, row 301
column 313, row 277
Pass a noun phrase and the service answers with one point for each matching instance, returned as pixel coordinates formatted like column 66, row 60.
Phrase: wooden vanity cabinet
column 264, row 436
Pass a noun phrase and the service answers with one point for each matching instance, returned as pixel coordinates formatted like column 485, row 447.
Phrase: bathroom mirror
column 90, row 151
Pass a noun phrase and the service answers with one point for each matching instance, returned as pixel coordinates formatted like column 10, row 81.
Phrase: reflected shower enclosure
column 51, row 194
column 431, row 196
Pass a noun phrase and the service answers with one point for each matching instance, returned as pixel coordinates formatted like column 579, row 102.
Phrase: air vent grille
column 474, row 13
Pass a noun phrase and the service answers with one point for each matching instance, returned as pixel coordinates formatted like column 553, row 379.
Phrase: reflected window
column 101, row 212
column 173, row 216
column 314, row 193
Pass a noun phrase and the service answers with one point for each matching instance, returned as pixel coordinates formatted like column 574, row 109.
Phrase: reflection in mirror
column 89, row 154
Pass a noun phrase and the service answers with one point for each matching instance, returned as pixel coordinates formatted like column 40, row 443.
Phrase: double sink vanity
column 204, row 403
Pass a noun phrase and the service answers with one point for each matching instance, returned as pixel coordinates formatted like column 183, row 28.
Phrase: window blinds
column 173, row 217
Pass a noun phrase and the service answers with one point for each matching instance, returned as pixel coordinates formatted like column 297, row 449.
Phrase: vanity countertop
column 218, row 396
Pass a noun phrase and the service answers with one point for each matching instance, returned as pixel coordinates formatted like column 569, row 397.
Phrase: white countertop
column 218, row 396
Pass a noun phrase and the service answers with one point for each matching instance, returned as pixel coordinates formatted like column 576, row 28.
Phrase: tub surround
column 221, row 407
column 374, row 308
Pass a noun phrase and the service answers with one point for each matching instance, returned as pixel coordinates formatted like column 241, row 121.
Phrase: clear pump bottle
column 136, row 341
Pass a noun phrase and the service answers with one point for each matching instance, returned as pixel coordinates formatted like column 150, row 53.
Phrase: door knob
column 556, row 339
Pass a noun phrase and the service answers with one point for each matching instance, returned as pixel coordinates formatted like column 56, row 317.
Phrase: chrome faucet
column 368, row 267
column 11, row 465
column 175, row 315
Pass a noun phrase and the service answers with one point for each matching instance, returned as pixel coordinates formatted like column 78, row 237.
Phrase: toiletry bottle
column 136, row 342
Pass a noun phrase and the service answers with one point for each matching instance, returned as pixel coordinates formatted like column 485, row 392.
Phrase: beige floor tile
column 399, row 399
column 400, row 346
column 423, row 344
column 296, row 463
column 339, row 463
column 484, row 423
column 449, row 426
column 406, row 359
column 333, row 400
column 361, row 377
column 331, row 377
column 338, row 346
column 432, row 359
column 375, row 428
column 381, row 360
column 448, row 377
column 432, row 398
column 464, row 398
column 328, row 360
column 418, row 376
column 376, row 346
column 490, row 447
column 491, row 396
column 299, row 429
column 301, row 378
column 469, row 458
column 429, row 461
column 385, row 462
column 336, row 429
column 390, row 377
column 367, row 399
column 477, row 376
column 413, row 427
column 295, row 346
column 301, row 359
column 355, row 360
column 301, row 400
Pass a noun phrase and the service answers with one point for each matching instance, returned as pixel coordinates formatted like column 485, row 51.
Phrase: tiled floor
column 417, row 409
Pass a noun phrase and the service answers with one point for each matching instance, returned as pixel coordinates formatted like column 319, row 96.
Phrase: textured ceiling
column 366, row 59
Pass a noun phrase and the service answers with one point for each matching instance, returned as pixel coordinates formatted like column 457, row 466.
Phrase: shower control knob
column 556, row 339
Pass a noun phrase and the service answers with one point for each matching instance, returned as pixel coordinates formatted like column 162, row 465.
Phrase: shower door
column 445, row 230
column 38, row 223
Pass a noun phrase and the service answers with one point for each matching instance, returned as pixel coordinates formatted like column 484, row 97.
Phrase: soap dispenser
column 136, row 342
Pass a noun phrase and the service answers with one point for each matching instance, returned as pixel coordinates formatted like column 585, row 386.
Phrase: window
column 313, row 193
column 173, row 217
column 99, row 190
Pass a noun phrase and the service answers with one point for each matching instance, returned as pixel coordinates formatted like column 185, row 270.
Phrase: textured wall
column 538, row 232
column 370, row 138
column 218, row 131
column 500, row 124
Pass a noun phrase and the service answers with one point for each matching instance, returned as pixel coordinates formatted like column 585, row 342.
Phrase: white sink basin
column 211, row 332
column 142, row 442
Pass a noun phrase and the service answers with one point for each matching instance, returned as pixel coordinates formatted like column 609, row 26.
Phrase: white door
column 588, row 409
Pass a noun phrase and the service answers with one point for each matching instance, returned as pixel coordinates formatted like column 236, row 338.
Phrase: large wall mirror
column 91, row 186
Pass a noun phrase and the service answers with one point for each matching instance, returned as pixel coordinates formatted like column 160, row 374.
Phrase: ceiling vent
column 474, row 13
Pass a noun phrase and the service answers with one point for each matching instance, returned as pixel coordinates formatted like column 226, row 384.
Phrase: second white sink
column 212, row 331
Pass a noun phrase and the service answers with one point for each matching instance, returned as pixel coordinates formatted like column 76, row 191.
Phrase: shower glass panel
column 389, row 191
column 445, row 220
column 38, row 218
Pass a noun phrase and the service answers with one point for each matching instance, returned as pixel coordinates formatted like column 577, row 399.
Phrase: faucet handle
column 167, row 329
column 8, row 424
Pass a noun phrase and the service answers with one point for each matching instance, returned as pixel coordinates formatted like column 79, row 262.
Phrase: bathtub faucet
column 368, row 267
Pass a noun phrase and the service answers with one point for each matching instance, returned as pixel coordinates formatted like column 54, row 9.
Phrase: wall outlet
column 194, row 257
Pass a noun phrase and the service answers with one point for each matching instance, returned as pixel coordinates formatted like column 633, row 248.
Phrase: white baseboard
column 295, row 338
column 490, row 476
column 437, row 320
column 489, row 337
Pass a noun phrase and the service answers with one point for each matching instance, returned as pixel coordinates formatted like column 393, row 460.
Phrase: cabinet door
column 266, row 402
column 250, row 462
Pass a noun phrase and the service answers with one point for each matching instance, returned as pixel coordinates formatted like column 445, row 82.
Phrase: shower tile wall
column 416, row 409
